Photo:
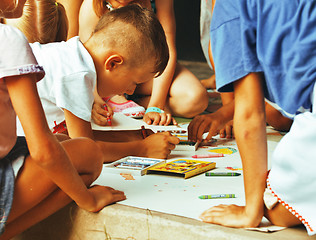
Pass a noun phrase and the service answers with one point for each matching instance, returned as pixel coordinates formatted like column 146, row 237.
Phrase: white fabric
column 16, row 58
column 292, row 177
column 69, row 81
column 205, row 22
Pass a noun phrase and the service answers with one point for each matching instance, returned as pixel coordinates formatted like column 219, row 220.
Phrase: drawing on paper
column 223, row 150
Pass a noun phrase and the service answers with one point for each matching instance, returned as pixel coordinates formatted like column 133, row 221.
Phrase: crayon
column 107, row 118
column 209, row 155
column 213, row 196
column 222, row 174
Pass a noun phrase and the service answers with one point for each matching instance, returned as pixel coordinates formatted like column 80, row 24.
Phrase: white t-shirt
column 69, row 81
column 16, row 58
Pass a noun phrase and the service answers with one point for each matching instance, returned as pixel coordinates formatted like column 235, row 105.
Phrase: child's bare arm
column 249, row 118
column 72, row 8
column 161, row 85
column 76, row 126
column 156, row 145
column 45, row 149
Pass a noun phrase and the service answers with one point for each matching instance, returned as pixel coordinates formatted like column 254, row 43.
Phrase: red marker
column 209, row 155
column 107, row 118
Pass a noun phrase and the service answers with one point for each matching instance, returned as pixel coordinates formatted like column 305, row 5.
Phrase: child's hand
column 103, row 196
column 231, row 216
column 162, row 119
column 101, row 112
column 159, row 145
column 227, row 131
column 211, row 123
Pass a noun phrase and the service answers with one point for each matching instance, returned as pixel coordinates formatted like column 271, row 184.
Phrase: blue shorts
column 7, row 179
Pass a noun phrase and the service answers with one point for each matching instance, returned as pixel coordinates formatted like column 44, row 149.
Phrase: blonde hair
column 43, row 21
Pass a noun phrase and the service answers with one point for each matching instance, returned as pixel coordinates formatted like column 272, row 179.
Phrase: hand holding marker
column 107, row 118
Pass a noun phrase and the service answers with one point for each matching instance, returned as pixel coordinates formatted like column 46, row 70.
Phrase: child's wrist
column 154, row 109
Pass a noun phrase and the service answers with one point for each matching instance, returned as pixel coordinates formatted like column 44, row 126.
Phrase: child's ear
column 113, row 62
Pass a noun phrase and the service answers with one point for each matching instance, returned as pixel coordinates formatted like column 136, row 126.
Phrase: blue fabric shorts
column 7, row 179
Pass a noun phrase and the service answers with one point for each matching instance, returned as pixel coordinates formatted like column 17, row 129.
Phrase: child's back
column 69, row 80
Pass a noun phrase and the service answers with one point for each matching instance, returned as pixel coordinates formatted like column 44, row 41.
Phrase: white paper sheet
column 122, row 122
column 179, row 196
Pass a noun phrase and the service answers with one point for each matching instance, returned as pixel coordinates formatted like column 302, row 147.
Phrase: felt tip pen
column 215, row 174
column 209, row 155
column 214, row 196
column 107, row 118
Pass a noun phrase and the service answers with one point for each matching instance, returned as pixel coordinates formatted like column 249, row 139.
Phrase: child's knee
column 86, row 156
column 95, row 161
column 194, row 103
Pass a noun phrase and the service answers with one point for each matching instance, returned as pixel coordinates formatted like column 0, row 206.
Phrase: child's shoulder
column 10, row 35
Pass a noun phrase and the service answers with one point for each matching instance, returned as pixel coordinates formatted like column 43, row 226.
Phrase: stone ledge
column 128, row 223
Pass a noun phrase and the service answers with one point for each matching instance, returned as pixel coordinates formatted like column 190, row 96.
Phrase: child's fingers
column 98, row 118
column 174, row 122
column 229, row 131
column 169, row 119
column 163, row 119
column 118, row 196
column 156, row 119
column 193, row 128
column 147, row 119
column 152, row 118
column 108, row 109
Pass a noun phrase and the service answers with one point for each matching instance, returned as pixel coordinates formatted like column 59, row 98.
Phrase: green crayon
column 213, row 196
column 222, row 174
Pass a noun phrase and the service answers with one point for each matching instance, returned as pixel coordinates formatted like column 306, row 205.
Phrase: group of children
column 62, row 85
column 177, row 92
column 112, row 61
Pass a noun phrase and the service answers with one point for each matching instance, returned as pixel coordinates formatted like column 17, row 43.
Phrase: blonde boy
column 113, row 60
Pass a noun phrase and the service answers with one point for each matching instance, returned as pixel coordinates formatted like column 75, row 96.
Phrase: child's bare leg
column 280, row 216
column 47, row 207
column 188, row 97
column 37, row 197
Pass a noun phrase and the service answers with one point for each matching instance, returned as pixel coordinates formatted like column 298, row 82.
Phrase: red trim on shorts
column 288, row 207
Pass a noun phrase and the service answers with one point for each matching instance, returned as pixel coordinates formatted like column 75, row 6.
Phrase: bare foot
column 119, row 99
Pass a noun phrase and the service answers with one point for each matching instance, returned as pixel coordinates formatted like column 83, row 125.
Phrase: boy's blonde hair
column 43, row 21
column 137, row 31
